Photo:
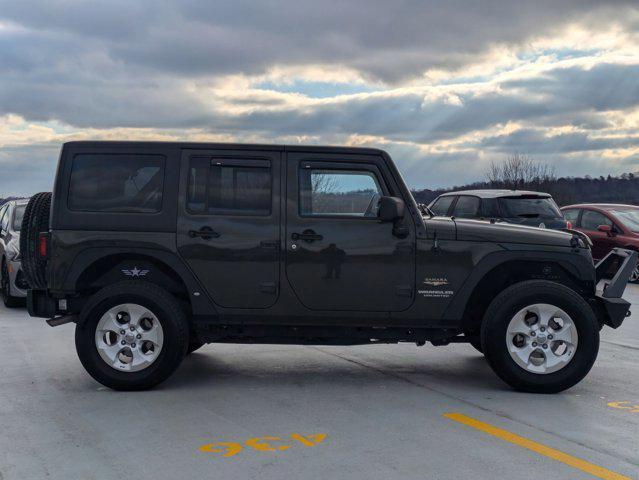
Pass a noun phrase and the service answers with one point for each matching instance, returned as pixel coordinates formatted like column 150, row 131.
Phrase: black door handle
column 307, row 236
column 205, row 233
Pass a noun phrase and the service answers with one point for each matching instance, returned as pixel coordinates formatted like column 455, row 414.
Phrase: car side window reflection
column 466, row 207
column 325, row 192
column 442, row 205
column 590, row 220
column 572, row 216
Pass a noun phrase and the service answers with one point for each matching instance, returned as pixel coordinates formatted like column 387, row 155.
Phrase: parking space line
column 549, row 452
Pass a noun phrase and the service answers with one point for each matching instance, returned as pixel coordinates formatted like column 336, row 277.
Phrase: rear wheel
column 540, row 336
column 131, row 335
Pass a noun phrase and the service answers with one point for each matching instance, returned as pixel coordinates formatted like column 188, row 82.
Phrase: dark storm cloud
column 388, row 40
column 571, row 96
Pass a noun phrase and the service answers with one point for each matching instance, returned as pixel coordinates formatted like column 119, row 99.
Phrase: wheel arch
column 490, row 279
column 96, row 268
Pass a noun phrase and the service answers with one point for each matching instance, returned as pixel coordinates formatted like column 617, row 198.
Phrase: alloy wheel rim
column 542, row 338
column 129, row 337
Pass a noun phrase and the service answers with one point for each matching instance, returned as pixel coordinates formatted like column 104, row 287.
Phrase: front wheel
column 540, row 336
column 131, row 335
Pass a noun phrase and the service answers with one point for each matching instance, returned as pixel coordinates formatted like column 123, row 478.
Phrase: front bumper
column 614, row 271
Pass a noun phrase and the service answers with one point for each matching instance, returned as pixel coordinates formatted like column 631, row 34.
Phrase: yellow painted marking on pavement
column 262, row 444
column 629, row 407
column 549, row 452
column 229, row 448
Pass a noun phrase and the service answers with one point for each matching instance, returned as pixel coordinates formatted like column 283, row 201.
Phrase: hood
column 499, row 232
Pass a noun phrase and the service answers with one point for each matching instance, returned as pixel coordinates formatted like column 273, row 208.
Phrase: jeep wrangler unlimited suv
column 154, row 249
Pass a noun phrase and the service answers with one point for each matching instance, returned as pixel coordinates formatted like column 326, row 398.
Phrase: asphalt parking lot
column 374, row 412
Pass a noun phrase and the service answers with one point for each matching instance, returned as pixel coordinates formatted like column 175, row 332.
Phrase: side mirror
column 607, row 229
column 390, row 209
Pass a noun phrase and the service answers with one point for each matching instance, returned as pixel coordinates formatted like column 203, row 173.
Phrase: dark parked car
column 521, row 207
column 13, row 285
column 608, row 226
column 154, row 249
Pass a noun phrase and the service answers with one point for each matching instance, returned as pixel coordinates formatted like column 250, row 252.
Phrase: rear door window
column 219, row 186
column 442, row 205
column 489, row 208
column 466, row 207
column 128, row 183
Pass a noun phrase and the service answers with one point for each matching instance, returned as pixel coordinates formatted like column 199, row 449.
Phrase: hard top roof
column 494, row 193
column 225, row 146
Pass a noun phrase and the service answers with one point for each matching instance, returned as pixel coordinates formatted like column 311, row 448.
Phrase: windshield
column 523, row 207
column 630, row 218
column 17, row 217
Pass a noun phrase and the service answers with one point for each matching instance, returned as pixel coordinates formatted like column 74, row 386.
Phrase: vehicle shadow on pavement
column 210, row 369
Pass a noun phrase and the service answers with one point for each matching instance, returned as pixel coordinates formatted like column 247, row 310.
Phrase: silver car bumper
column 17, row 283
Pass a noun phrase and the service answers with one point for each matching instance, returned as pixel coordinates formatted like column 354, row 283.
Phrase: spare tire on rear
column 35, row 221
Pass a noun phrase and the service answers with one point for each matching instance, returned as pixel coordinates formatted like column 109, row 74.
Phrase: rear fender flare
column 135, row 261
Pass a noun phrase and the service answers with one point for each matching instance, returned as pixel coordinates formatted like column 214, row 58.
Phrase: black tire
column 193, row 346
column 35, row 220
column 9, row 300
column 634, row 276
column 476, row 343
column 512, row 300
column 166, row 309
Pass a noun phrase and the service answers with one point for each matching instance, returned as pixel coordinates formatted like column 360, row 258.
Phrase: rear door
column 338, row 255
column 229, row 224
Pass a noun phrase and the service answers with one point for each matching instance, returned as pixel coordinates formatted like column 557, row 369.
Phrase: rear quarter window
column 128, row 183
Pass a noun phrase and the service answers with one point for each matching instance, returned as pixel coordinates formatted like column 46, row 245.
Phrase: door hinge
column 268, row 287
column 404, row 291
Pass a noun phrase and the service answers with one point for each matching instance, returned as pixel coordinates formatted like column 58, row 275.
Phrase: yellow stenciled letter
column 229, row 448
column 261, row 444
column 309, row 440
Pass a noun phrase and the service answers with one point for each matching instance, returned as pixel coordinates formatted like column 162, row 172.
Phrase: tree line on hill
column 520, row 172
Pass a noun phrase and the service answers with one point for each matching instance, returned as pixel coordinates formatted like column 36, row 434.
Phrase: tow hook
column 57, row 321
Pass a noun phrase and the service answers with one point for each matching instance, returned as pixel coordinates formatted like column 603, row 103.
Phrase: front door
column 338, row 255
column 229, row 224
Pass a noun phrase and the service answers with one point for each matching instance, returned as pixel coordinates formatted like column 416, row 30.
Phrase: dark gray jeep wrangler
column 154, row 249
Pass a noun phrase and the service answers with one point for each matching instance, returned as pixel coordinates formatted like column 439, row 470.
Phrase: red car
column 608, row 226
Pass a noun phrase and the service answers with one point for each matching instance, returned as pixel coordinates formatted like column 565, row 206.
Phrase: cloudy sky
column 445, row 87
